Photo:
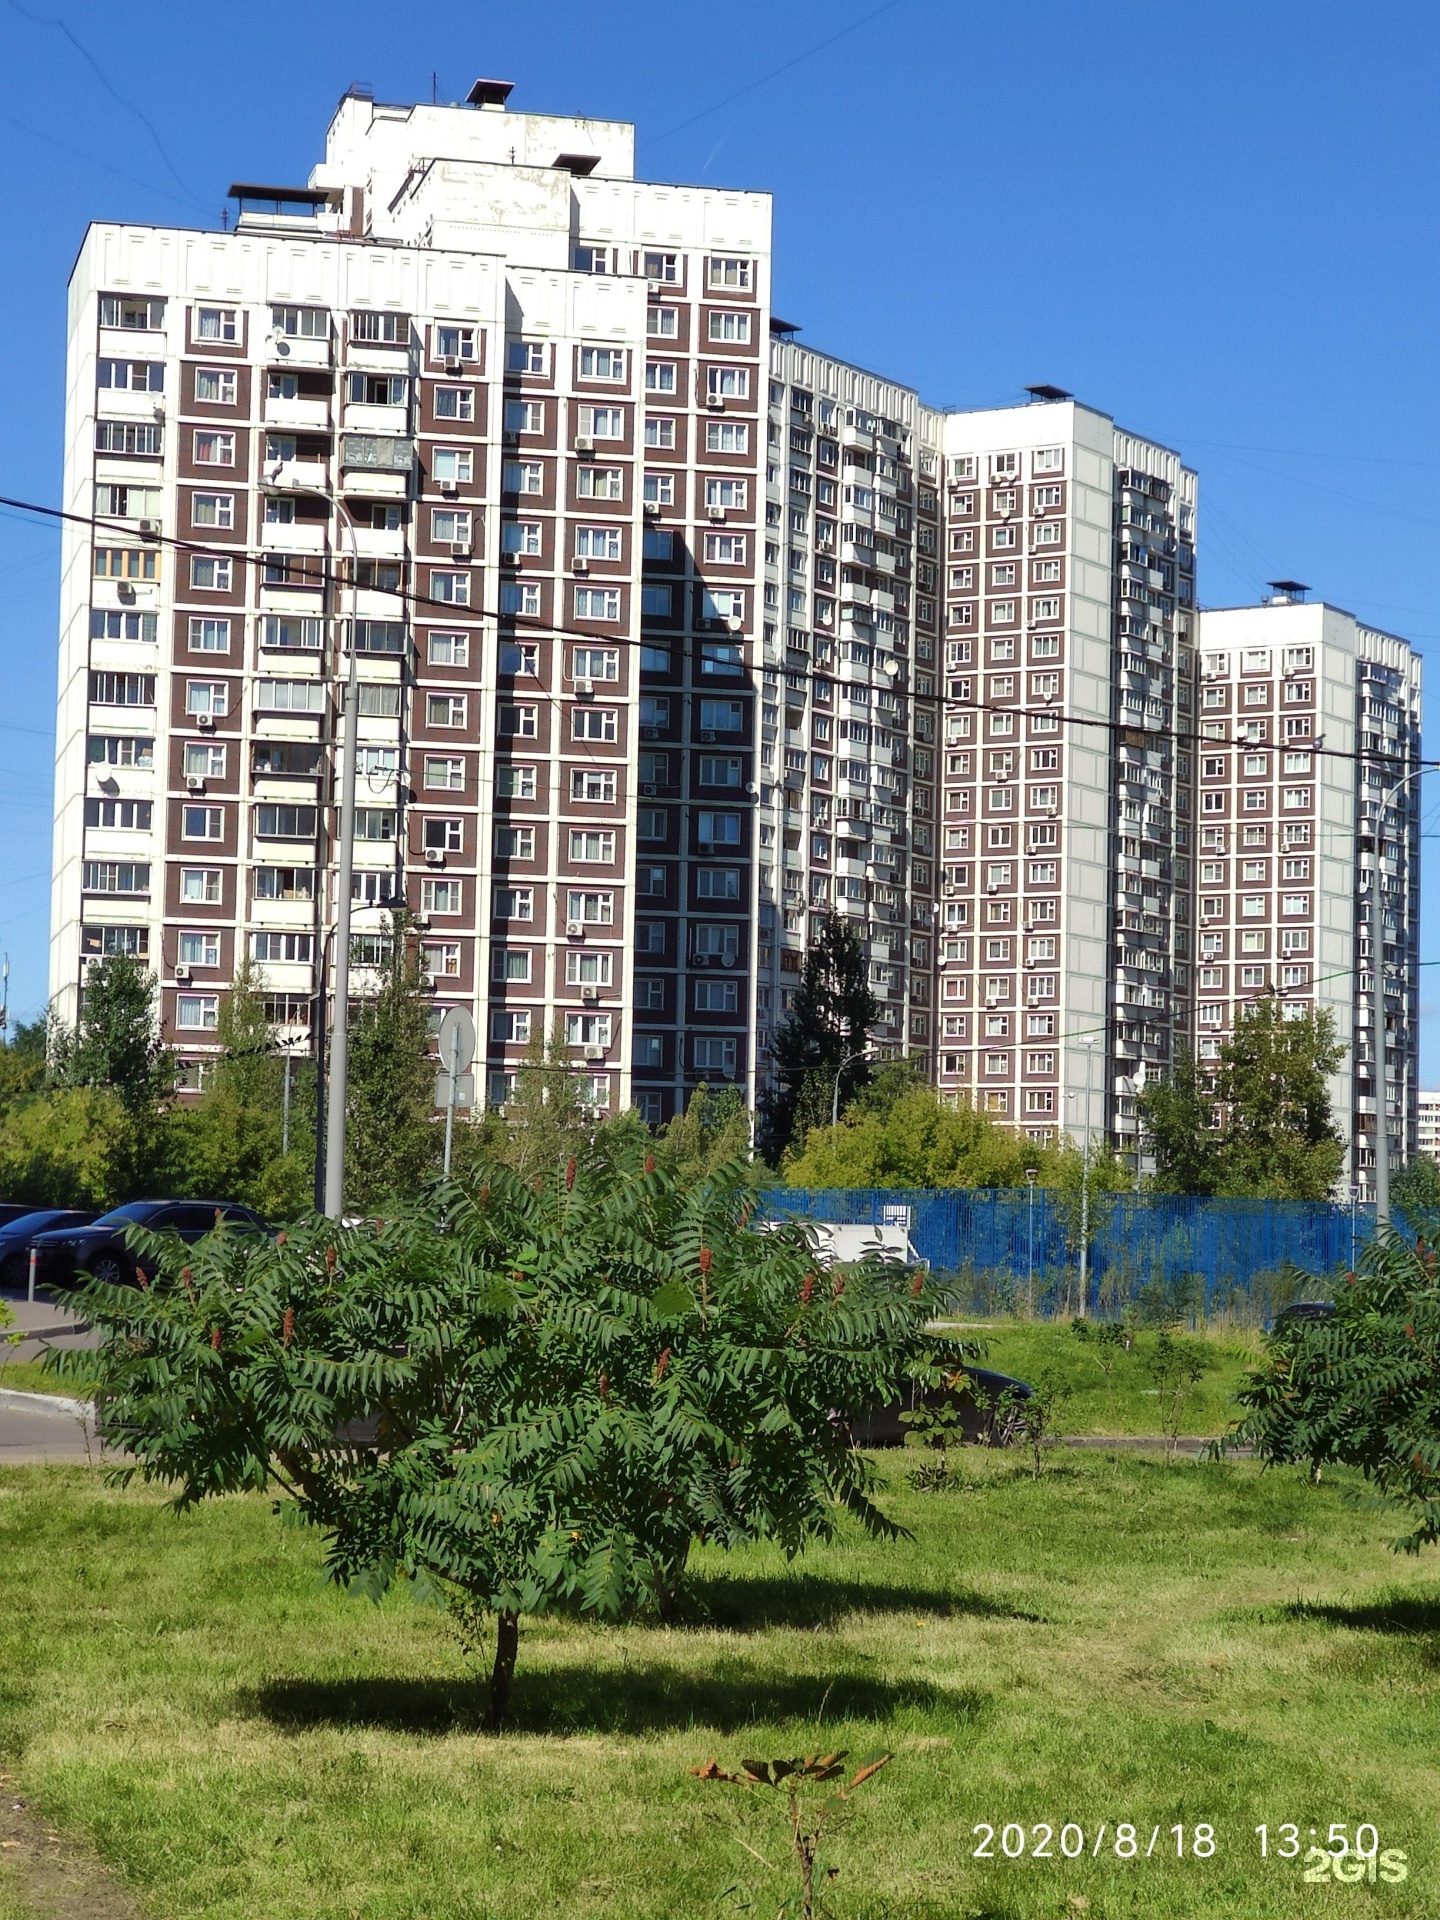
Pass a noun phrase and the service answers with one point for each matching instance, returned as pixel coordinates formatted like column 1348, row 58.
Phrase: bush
column 517, row 1394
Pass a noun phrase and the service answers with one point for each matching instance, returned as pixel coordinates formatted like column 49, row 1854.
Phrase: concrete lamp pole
column 1377, row 1001
column 338, row 1089
column 1030, row 1174
column 835, row 1098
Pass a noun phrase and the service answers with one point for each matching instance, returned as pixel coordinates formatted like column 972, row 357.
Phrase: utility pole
column 1089, row 1045
column 1377, row 1000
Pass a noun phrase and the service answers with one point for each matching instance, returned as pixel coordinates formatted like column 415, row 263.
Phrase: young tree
column 714, row 1129
column 1179, row 1118
column 917, row 1141
column 228, row 1146
column 552, row 1389
column 392, row 1141
column 833, row 1011
column 22, row 1063
column 67, row 1147
column 1279, row 1140
column 116, row 1047
column 1361, row 1389
column 546, row 1123
column 1416, row 1185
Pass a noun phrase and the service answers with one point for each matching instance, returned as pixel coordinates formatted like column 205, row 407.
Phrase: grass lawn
column 1119, row 1641
column 1129, row 1403
column 32, row 1376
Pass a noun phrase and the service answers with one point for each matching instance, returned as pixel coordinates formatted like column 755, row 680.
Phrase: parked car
column 1302, row 1313
column 17, row 1233
column 99, row 1249
column 13, row 1210
column 982, row 1418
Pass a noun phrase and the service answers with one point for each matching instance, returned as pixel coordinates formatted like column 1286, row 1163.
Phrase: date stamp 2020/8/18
column 1340, row 1858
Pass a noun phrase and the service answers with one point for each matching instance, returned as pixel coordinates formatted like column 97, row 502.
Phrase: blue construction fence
column 1008, row 1251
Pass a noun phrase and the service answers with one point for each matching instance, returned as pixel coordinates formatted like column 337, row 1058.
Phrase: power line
column 324, row 576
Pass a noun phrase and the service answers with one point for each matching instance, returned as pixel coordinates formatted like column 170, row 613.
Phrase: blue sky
column 1215, row 221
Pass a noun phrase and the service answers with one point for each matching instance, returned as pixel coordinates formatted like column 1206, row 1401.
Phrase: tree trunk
column 507, row 1645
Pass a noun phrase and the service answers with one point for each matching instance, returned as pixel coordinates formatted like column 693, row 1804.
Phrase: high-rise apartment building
column 1066, row 807
column 1427, row 1122
column 673, row 636
column 1307, row 718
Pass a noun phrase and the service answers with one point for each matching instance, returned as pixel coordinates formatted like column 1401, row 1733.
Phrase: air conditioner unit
column 508, row 559
column 125, row 591
column 577, row 565
column 652, row 509
column 194, row 784
column 450, row 488
column 716, row 401
column 590, row 993
column 182, row 973
column 649, row 788
column 460, row 550
column 454, row 365
column 583, row 443
column 434, row 857
column 594, row 1053
column 707, row 734
column 149, row 529
column 205, row 722
column 420, row 921
column 575, row 929
column 653, row 733
column 701, row 960
column 584, row 686
column 717, row 513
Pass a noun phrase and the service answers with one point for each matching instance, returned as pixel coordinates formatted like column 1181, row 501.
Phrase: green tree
column 565, row 1384
column 1416, row 1185
column 833, row 1012
column 545, row 1123
column 228, row 1145
column 918, row 1141
column 67, row 1147
column 116, row 1043
column 392, row 1141
column 1361, row 1389
column 1260, row 1126
column 714, row 1129
column 22, row 1063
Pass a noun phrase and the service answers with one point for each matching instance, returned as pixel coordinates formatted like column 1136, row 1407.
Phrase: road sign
column 456, row 1041
column 464, row 1090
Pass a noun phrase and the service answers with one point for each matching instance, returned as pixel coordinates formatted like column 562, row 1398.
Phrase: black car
column 983, row 1417
column 100, row 1250
column 13, row 1210
column 17, row 1232
column 1301, row 1313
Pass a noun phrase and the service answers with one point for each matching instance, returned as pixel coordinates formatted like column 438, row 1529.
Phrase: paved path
column 45, row 1321
column 36, row 1429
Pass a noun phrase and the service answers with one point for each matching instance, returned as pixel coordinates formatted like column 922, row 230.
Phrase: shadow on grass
column 628, row 1699
column 813, row 1601
column 1394, row 1613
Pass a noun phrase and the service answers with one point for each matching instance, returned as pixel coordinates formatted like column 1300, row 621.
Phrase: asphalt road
column 33, row 1432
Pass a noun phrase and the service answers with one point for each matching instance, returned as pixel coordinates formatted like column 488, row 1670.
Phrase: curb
column 46, row 1403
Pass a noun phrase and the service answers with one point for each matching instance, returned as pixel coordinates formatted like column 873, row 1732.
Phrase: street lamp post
column 1377, row 1002
column 1030, row 1173
column 340, row 1030
column 1089, row 1045
column 835, row 1098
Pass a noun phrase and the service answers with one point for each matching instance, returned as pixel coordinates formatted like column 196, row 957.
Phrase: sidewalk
column 35, row 1428
column 43, row 1322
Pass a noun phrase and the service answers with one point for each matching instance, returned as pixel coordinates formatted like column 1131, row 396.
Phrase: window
column 521, row 723
column 384, row 329
column 659, row 431
column 730, row 326
column 586, row 845
column 209, row 636
column 450, row 526
column 452, row 588
column 446, row 709
column 127, row 436
column 520, row 596
column 454, row 403
column 449, row 650
column 289, row 632
column 514, row 903
column 718, row 772
column 655, row 603
column 714, row 1056
column 602, row 363
column 511, row 1025
column 302, row 323
column 525, row 356
column 455, row 343
column 728, row 549
column 728, row 383
column 520, row 536
column 214, row 449
column 202, row 823
column 132, row 376
column 522, row 476
column 514, row 843
column 592, row 783
column 132, row 814
column 592, row 909
column 597, row 603
column 595, row 663
column 597, row 543
column 520, row 657
column 443, row 833
column 110, row 625
column 142, row 316
column 727, row 436
column 288, row 696
column 444, row 773
column 209, row 574
column 270, row 946
column 717, row 883
column 660, row 376
column 374, row 823
column 726, row 493
column 286, row 822
column 514, row 782
column 600, row 483
column 122, row 750
column 197, row 1011
column 524, row 416
column 117, row 876
column 719, row 830
column 127, row 563
column 215, row 323
column 592, row 723
column 722, row 716
column 731, row 274
column 717, row 996
column 510, row 963
column 659, row 492
column 662, row 323
column 601, row 423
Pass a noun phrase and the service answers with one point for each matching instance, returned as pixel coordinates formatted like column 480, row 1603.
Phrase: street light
column 1089, row 1045
column 835, row 1099
column 1030, row 1173
column 1377, row 1002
